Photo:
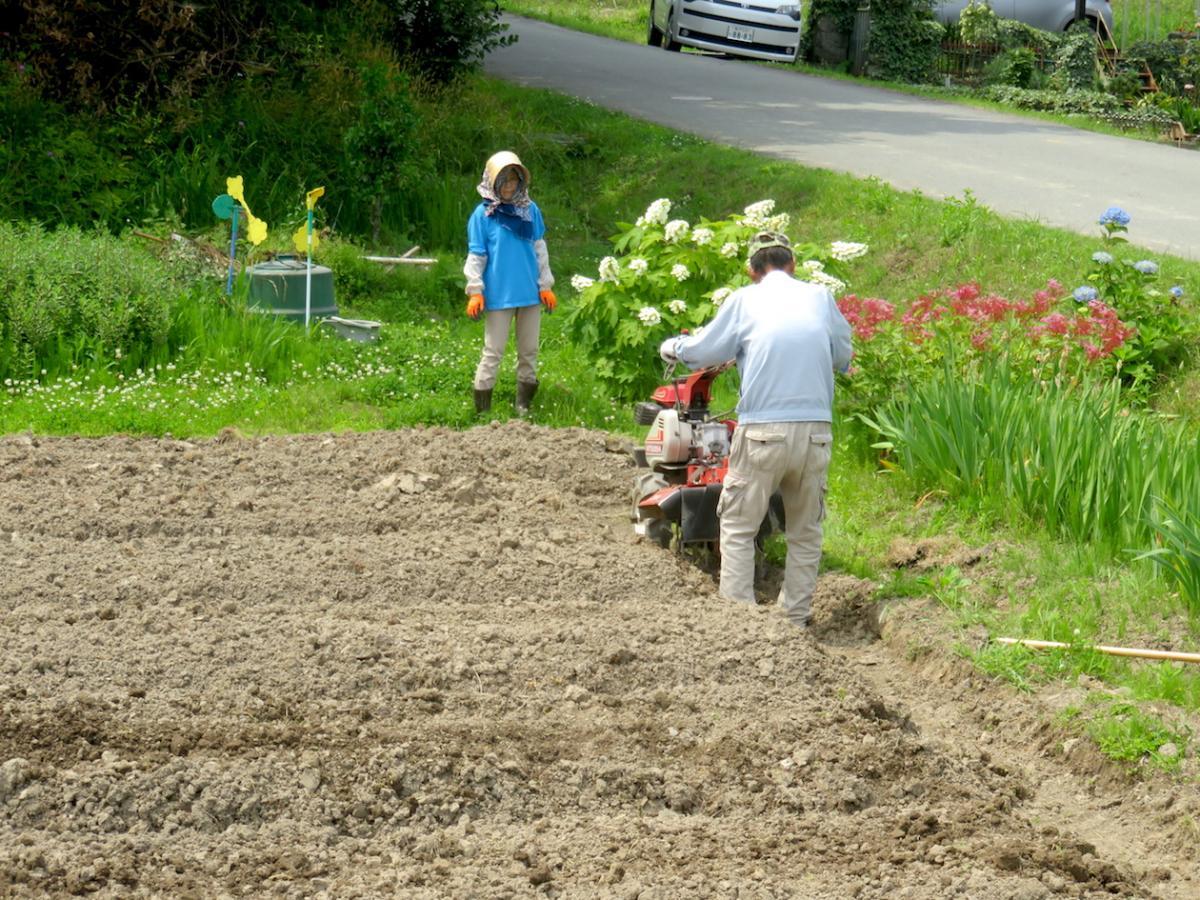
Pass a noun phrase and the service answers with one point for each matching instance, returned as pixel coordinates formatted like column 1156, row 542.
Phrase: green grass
column 1138, row 20
column 622, row 19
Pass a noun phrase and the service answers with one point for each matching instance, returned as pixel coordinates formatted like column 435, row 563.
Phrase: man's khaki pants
column 793, row 458
column 495, row 336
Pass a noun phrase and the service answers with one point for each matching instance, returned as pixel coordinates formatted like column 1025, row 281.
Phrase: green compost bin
column 277, row 288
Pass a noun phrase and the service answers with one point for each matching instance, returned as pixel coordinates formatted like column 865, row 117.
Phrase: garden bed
column 437, row 663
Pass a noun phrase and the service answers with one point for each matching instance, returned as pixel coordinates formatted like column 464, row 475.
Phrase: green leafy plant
column 444, row 39
column 668, row 276
column 1177, row 530
column 381, row 147
column 1077, row 62
column 904, row 41
column 1165, row 330
column 978, row 23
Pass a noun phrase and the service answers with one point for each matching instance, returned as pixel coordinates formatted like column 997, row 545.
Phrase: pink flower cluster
column 1096, row 329
column 1098, row 332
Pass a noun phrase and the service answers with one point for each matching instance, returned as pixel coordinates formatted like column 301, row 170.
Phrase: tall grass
column 1080, row 461
column 1151, row 20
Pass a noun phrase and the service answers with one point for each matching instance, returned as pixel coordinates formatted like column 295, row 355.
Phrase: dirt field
column 437, row 664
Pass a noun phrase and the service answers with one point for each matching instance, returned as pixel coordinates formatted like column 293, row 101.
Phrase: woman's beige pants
column 497, row 323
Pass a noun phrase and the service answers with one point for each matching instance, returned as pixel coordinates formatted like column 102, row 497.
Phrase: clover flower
column 1176, row 292
column 1085, row 293
column 729, row 249
column 1114, row 215
column 720, row 295
column 678, row 307
column 1146, row 266
column 680, row 272
column 702, row 236
column 656, row 213
column 649, row 316
column 844, row 251
column 581, row 283
column 638, row 266
column 1102, row 258
column 610, row 269
column 756, row 213
column 676, row 230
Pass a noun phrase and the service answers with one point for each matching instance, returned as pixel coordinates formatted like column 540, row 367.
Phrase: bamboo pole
column 401, row 260
column 1139, row 653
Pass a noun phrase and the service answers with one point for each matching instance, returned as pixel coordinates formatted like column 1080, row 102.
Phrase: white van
column 759, row 29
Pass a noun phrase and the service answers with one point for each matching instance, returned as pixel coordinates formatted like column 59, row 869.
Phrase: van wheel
column 671, row 44
column 654, row 35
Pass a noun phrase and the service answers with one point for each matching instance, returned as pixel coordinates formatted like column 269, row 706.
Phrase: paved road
column 1017, row 166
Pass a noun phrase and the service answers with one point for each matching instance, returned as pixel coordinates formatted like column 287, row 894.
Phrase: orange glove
column 475, row 305
column 549, row 300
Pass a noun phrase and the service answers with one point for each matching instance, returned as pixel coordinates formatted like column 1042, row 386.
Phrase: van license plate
column 746, row 35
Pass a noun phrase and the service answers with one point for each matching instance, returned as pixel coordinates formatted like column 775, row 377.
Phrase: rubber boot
column 483, row 401
column 525, row 392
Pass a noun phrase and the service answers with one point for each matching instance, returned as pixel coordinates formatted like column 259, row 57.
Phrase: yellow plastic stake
column 306, row 242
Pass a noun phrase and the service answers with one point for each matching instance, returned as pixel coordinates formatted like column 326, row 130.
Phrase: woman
column 508, row 276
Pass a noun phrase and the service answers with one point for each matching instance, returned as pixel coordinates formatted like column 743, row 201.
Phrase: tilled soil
column 438, row 664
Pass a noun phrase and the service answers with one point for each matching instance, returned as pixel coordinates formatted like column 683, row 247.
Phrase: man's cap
column 765, row 240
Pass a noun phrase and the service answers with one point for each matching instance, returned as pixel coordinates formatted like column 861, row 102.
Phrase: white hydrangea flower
column 609, row 268
column 649, row 315
column 702, row 236
column 677, row 306
column 638, row 265
column 676, row 230
column 812, row 265
column 844, row 251
column 835, row 285
column 729, row 250
column 778, row 224
column 720, row 295
column 581, row 282
column 656, row 213
column 680, row 272
column 756, row 213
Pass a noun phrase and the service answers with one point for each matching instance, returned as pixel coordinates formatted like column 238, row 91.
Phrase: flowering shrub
column 1039, row 337
column 1130, row 286
column 667, row 275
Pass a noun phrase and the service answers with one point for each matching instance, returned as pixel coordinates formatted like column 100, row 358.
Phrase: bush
column 1077, row 61
column 1012, row 67
column 67, row 295
column 1174, row 62
column 671, row 276
column 978, row 24
column 905, row 41
column 443, row 39
column 381, row 147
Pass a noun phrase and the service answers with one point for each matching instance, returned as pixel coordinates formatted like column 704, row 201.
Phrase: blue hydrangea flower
column 1176, row 292
column 1114, row 215
column 1146, row 266
column 1101, row 257
column 1085, row 293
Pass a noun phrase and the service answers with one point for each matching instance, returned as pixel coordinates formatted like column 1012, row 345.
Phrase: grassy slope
column 592, row 168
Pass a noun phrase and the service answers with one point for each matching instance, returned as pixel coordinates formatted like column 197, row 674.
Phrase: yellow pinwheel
column 256, row 228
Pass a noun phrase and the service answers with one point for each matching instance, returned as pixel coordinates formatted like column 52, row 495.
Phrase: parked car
column 1048, row 15
column 760, row 29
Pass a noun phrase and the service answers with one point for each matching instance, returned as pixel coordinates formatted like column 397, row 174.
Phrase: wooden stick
column 410, row 251
column 149, row 237
column 1174, row 655
column 393, row 260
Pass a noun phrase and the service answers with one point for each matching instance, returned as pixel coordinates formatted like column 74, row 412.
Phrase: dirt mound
column 437, row 663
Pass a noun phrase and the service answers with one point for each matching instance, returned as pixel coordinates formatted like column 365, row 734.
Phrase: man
column 787, row 337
